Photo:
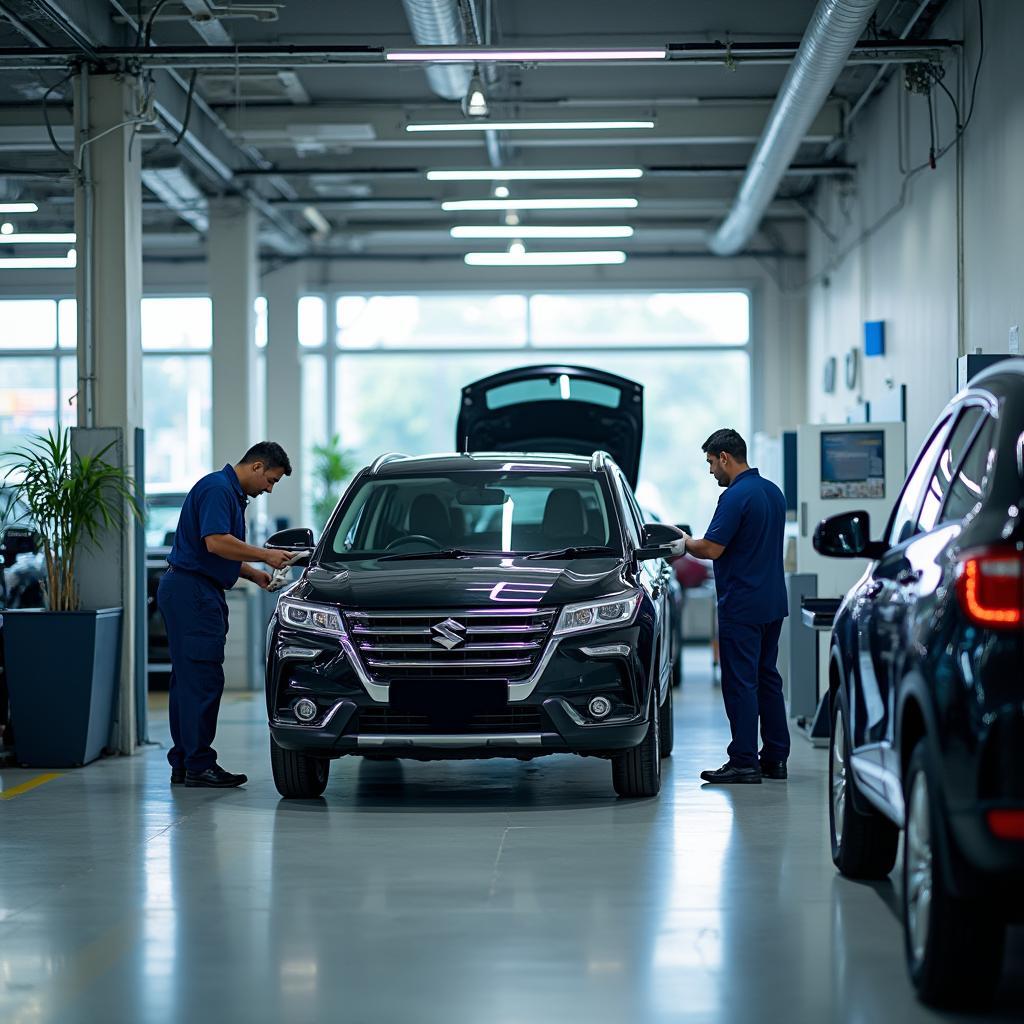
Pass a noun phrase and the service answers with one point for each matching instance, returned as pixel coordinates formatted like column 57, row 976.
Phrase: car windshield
column 472, row 512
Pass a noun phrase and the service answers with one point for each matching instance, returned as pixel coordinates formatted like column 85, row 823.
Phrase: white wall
column 906, row 273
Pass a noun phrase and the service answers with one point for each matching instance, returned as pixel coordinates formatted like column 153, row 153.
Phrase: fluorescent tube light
column 58, row 237
column 543, row 259
column 542, row 231
column 528, row 126
column 18, row 208
column 533, row 55
column 454, row 205
column 38, row 262
column 582, row 174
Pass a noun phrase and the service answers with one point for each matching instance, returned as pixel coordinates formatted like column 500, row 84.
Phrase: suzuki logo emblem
column 448, row 633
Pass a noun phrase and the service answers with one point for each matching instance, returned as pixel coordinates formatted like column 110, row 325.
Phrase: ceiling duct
column 439, row 23
column 835, row 27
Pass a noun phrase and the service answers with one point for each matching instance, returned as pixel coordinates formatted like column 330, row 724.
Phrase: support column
column 108, row 285
column 232, row 255
column 283, row 288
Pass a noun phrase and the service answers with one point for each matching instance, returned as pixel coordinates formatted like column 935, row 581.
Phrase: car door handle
column 908, row 577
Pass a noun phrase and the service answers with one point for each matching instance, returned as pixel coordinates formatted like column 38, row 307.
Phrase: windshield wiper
column 445, row 553
column 577, row 552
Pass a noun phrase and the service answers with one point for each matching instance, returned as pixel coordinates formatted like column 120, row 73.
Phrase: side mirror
column 297, row 540
column 847, row 535
column 655, row 539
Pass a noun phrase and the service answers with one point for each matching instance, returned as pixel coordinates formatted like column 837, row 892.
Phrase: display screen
column 853, row 464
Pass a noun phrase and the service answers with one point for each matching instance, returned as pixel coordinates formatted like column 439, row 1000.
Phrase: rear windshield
column 478, row 511
column 553, row 389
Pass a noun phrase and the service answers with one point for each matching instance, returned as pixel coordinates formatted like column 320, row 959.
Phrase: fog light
column 599, row 707
column 305, row 710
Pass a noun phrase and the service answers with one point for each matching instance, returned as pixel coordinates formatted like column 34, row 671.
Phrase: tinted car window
column 949, row 459
column 477, row 511
column 968, row 488
column 904, row 520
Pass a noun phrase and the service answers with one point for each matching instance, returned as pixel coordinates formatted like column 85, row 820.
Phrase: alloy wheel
column 919, row 866
column 838, row 780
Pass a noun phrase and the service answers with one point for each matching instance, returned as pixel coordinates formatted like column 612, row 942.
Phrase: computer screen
column 853, row 464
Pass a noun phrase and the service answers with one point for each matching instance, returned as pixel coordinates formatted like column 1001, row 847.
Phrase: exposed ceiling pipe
column 835, row 27
column 439, row 23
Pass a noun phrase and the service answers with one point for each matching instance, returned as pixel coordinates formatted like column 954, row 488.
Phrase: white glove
column 678, row 547
column 279, row 577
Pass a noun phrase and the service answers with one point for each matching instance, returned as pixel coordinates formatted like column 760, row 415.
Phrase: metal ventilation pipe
column 835, row 27
column 439, row 23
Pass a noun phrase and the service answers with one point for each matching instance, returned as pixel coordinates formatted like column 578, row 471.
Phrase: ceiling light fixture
column 43, row 238
column 455, row 205
column 543, row 259
column 7, row 228
column 39, row 262
column 533, row 55
column 501, row 192
column 19, row 208
column 511, row 219
column 529, row 126
column 318, row 222
column 517, row 248
column 499, row 174
column 541, row 231
column 475, row 102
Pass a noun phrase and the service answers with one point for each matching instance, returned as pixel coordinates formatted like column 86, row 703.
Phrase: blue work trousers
column 752, row 690
column 196, row 616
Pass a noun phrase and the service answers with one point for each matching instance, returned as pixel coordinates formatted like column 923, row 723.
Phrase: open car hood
column 553, row 408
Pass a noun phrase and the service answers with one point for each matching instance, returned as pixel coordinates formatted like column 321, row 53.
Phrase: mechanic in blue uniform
column 745, row 541
column 208, row 556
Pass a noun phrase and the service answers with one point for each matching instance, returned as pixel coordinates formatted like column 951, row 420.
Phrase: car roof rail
column 384, row 459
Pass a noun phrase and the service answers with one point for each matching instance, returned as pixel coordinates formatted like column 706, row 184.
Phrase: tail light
column 1006, row 824
column 990, row 586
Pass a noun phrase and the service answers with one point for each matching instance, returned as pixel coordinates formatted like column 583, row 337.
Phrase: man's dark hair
column 726, row 440
column 271, row 454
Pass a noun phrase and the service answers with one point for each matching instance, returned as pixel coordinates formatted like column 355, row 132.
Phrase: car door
column 653, row 576
column 875, row 606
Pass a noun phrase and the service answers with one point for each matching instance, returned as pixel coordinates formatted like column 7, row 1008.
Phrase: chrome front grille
column 477, row 644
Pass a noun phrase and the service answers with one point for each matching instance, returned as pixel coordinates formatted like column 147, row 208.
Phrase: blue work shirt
column 749, row 523
column 215, row 505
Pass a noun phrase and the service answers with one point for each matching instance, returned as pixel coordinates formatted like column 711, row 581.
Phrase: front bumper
column 546, row 715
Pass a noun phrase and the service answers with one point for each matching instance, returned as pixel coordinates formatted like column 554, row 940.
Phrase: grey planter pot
column 63, row 670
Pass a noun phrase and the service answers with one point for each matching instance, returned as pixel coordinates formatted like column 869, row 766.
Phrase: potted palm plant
column 63, row 662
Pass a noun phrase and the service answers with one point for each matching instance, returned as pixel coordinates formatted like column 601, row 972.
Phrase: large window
column 39, row 380
column 400, row 361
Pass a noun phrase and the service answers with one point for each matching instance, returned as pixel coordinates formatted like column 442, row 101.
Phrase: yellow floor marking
column 39, row 780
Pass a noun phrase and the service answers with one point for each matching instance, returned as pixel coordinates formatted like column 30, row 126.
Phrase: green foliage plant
column 71, row 500
column 332, row 466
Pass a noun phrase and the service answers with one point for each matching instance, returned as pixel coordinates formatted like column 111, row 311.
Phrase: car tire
column 667, row 725
column 298, row 776
column 864, row 842
column 954, row 947
column 637, row 772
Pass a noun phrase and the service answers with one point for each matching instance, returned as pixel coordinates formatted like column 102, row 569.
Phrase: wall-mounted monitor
column 853, row 464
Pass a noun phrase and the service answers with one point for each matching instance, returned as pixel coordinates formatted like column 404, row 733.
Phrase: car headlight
column 318, row 618
column 616, row 611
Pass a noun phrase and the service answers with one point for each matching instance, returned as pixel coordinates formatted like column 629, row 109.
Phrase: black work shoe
column 214, row 778
column 177, row 776
column 774, row 769
column 730, row 773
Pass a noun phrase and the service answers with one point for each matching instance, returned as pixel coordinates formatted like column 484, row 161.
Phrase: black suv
column 927, row 687
column 495, row 604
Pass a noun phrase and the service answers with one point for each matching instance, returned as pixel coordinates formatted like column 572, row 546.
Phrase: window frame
column 940, row 431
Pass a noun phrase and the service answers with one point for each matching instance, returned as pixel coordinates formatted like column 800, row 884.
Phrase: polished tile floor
column 414, row 893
